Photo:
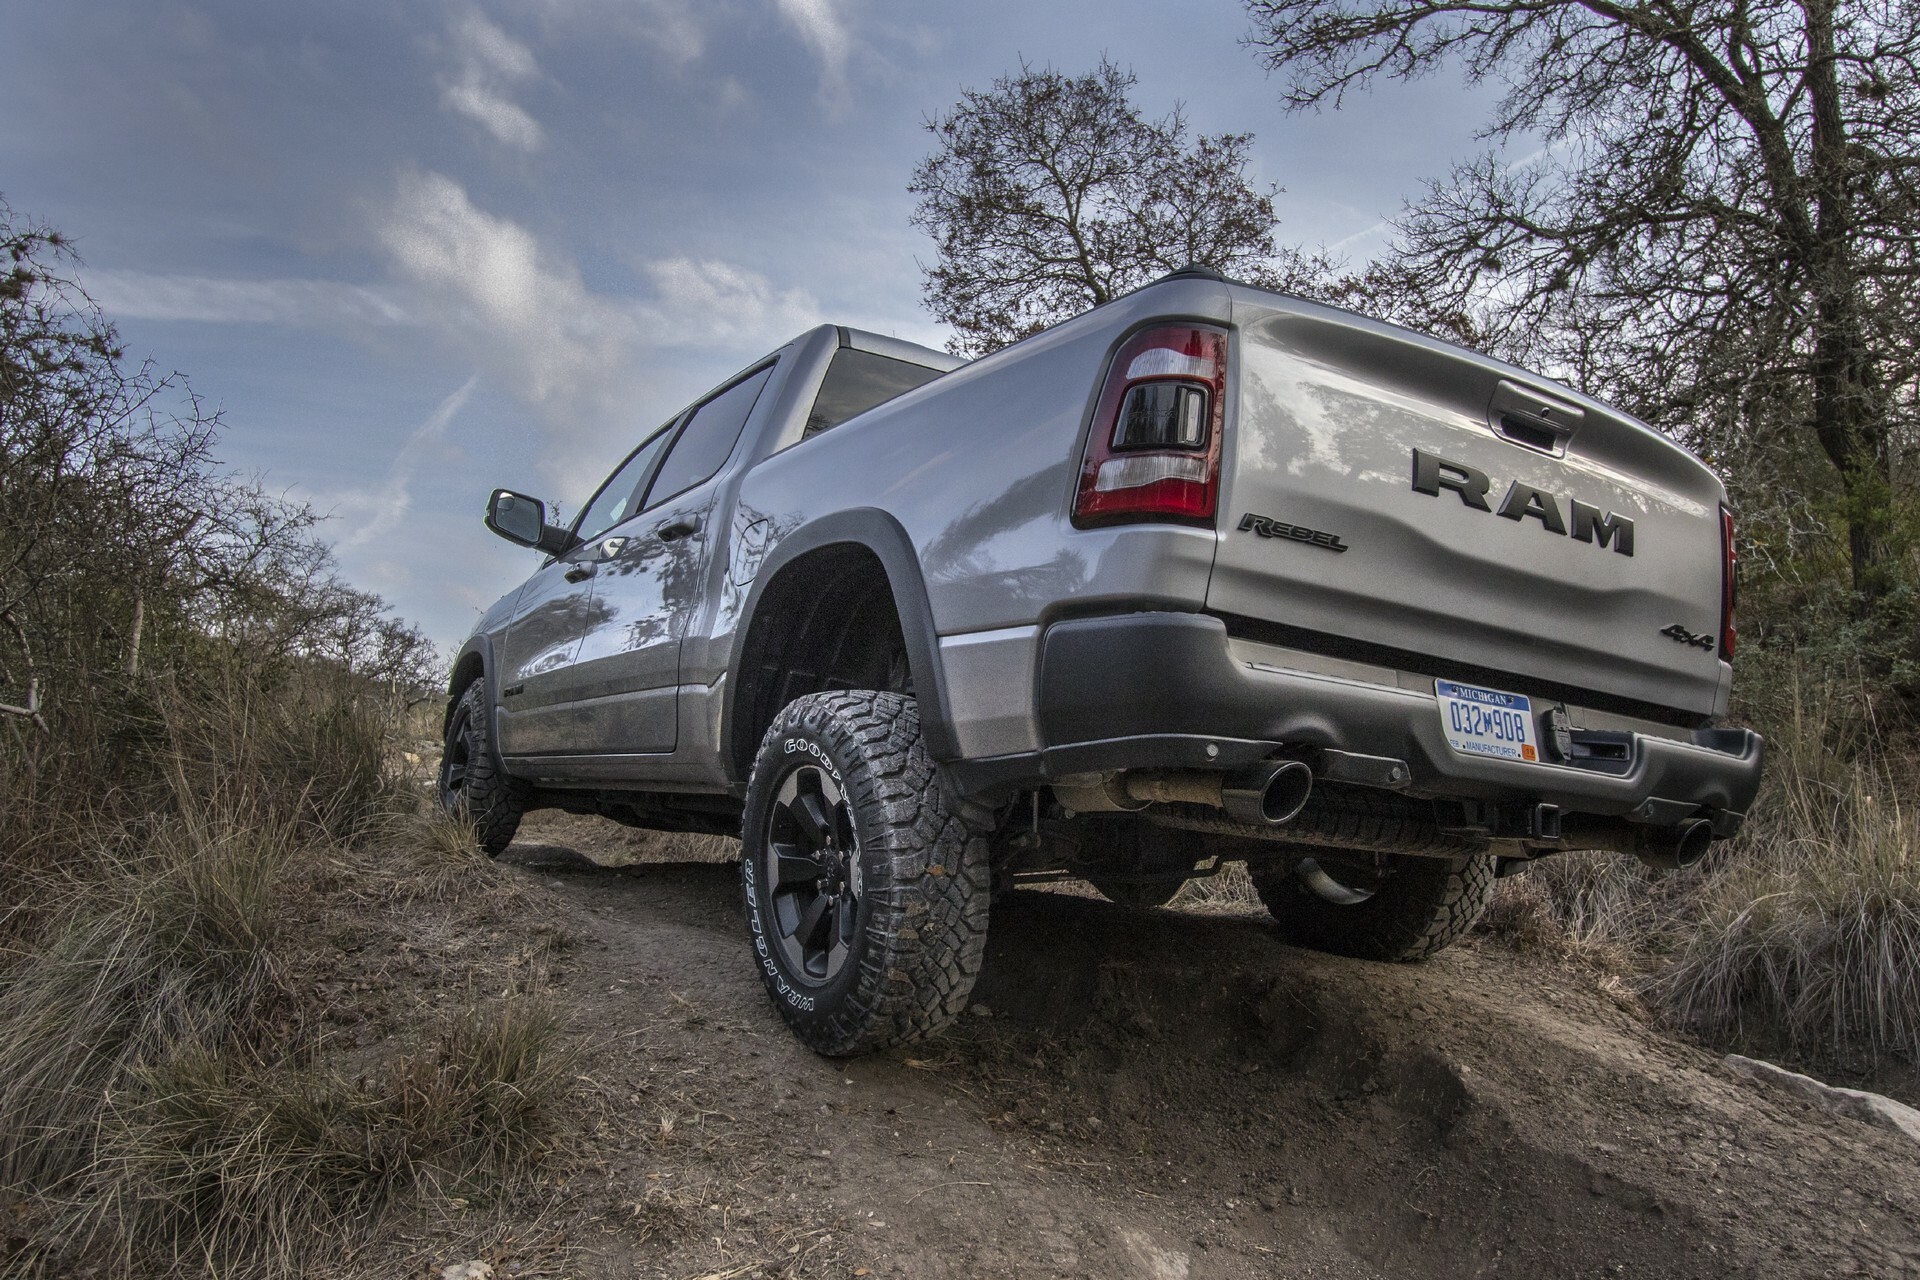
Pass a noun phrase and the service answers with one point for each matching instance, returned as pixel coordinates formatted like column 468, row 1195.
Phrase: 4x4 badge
column 1680, row 635
column 1268, row 527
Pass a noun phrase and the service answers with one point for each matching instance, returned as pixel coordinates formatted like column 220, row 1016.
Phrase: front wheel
column 866, row 897
column 1376, row 906
column 471, row 784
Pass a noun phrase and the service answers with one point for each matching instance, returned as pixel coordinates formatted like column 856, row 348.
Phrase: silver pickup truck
column 1205, row 575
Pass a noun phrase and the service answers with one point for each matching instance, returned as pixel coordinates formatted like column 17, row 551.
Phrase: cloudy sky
column 414, row 250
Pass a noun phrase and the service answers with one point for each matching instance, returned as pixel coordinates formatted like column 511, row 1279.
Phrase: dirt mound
column 1165, row 1094
column 1464, row 1117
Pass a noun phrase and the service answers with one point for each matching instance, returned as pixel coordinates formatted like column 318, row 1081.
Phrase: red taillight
column 1154, row 450
column 1730, row 561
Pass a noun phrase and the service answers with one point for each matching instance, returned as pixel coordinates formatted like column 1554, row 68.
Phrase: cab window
column 708, row 438
column 856, row 381
column 619, row 497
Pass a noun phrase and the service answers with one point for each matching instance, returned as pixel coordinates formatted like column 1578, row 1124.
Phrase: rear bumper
column 1172, row 690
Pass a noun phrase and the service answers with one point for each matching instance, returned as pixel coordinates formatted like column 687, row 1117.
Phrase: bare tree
column 120, row 533
column 1720, row 232
column 1050, row 194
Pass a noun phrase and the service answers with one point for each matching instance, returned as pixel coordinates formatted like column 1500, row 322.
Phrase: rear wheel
column 866, row 896
column 1377, row 906
column 471, row 784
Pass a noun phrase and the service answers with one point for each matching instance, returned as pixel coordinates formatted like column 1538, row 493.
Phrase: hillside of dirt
column 1168, row 1094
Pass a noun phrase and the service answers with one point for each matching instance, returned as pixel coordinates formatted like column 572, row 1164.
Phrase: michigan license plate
column 1487, row 722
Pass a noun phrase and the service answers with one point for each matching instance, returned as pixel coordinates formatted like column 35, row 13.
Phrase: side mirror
column 523, row 520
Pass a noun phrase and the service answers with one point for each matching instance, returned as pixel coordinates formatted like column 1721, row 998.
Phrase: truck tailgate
column 1388, row 488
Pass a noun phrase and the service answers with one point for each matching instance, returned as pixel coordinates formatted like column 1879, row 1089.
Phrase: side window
column 705, row 442
column 619, row 497
column 856, row 381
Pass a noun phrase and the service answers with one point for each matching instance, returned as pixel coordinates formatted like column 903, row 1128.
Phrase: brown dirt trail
column 1165, row 1094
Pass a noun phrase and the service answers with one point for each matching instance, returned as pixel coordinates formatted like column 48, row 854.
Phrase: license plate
column 1487, row 722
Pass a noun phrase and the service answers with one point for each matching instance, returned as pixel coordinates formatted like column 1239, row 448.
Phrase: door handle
column 580, row 572
column 674, row 530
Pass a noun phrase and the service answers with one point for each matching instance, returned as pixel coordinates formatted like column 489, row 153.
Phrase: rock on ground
column 1857, row 1104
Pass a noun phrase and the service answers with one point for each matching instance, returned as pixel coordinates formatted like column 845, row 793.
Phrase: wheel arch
column 473, row 662
column 839, row 541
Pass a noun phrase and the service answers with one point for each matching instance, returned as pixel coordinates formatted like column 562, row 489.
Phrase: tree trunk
column 1848, row 416
column 133, row 636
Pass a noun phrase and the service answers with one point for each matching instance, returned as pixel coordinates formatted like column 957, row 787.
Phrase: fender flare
column 480, row 645
column 878, row 532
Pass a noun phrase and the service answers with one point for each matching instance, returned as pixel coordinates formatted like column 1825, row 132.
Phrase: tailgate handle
column 1535, row 421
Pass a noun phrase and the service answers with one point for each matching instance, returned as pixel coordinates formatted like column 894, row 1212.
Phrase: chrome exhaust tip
column 1268, row 795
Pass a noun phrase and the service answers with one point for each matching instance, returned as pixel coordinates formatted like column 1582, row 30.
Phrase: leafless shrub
column 1231, row 889
column 139, row 578
column 195, row 716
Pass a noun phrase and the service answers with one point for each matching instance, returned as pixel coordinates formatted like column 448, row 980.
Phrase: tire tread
column 1425, row 906
column 494, row 801
column 927, row 928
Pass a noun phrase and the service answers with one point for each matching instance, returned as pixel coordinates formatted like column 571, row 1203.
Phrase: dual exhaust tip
column 1671, row 848
column 1270, row 794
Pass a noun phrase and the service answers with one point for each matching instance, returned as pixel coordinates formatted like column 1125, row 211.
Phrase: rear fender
column 881, row 534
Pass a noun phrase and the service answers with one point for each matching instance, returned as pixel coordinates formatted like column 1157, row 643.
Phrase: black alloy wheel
column 813, row 873
column 462, row 744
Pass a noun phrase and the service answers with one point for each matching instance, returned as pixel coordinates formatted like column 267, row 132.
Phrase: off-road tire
column 923, row 884
column 1418, row 906
column 470, row 782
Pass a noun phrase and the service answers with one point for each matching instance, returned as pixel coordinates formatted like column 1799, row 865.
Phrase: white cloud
column 589, row 366
column 709, row 303
column 825, row 32
column 1377, row 228
column 520, row 312
column 671, row 26
column 489, row 62
column 369, row 515
column 142, row 295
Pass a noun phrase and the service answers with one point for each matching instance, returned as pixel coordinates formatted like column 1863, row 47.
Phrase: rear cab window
column 859, row 380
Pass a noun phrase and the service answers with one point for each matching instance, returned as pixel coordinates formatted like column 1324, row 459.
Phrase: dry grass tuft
column 439, row 855
column 1800, row 936
column 1809, row 933
column 1230, row 889
column 171, row 946
column 253, row 1165
column 1591, row 908
column 167, row 1104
